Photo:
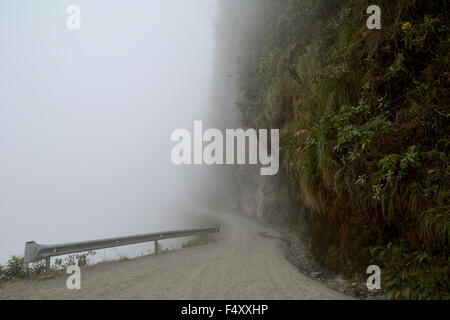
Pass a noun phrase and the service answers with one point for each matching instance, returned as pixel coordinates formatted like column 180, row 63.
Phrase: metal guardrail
column 35, row 252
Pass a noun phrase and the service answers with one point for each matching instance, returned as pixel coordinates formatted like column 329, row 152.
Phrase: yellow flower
column 363, row 146
column 406, row 26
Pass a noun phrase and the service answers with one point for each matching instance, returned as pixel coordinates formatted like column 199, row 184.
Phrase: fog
column 86, row 116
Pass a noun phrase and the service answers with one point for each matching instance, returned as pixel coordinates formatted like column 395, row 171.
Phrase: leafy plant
column 364, row 122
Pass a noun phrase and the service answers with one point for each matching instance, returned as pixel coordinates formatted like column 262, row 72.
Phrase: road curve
column 240, row 265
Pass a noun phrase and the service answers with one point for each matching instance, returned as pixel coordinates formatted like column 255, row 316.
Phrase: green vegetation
column 200, row 240
column 364, row 117
column 203, row 221
column 16, row 268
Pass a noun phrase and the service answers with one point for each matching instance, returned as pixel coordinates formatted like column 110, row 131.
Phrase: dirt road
column 240, row 265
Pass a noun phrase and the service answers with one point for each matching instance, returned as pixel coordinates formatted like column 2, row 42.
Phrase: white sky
column 86, row 115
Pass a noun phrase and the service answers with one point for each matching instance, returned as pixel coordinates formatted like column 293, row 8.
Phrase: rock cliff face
column 364, row 141
column 272, row 199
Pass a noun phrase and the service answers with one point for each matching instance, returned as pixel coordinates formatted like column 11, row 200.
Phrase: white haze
column 86, row 116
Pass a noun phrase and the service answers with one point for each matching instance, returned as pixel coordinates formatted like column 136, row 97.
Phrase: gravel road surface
column 242, row 264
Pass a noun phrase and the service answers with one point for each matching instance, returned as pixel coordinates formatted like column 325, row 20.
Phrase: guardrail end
column 31, row 248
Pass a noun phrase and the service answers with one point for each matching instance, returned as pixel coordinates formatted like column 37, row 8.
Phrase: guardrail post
column 156, row 246
column 47, row 265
